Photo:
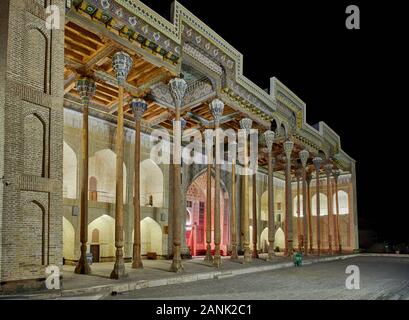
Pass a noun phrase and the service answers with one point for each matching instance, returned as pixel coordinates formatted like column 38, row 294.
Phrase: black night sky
column 346, row 77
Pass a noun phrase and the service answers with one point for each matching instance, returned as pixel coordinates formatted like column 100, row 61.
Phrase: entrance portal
column 196, row 216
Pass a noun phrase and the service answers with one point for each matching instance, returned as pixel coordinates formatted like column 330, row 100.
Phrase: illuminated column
column 234, row 255
column 245, row 124
column 269, row 137
column 216, row 107
column 338, row 234
column 298, row 175
column 308, row 180
column 121, row 63
column 178, row 88
column 86, row 89
column 328, row 171
column 208, row 135
column 317, row 164
column 139, row 107
column 254, row 210
column 304, row 154
column 288, row 148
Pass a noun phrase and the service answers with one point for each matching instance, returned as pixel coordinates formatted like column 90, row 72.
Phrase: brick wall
column 31, row 119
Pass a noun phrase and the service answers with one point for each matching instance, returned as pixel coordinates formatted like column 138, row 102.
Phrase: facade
column 73, row 126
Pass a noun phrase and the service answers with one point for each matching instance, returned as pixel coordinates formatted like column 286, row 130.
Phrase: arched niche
column 264, row 240
column 151, row 184
column 34, row 145
column 106, row 231
column 68, row 239
column 279, row 239
column 343, row 202
column 35, row 56
column 70, row 165
column 295, row 206
column 151, row 236
column 102, row 166
column 323, row 205
column 264, row 206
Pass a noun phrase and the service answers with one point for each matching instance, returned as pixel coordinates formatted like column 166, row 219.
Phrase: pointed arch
column 70, row 172
column 68, row 239
column 151, row 184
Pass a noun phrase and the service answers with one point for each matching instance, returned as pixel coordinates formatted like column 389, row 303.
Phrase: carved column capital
column 122, row 64
column 304, row 155
column 139, row 107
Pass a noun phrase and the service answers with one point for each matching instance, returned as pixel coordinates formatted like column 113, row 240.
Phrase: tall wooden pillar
column 269, row 137
column 328, row 171
column 139, row 106
column 208, row 135
column 86, row 89
column 178, row 88
column 304, row 154
column 310, row 237
column 245, row 124
column 233, row 220
column 298, row 175
column 216, row 107
column 338, row 233
column 254, row 196
column 288, row 148
column 317, row 163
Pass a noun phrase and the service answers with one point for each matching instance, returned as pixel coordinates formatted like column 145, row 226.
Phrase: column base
column 271, row 253
column 208, row 257
column 217, row 259
column 137, row 264
column 254, row 253
column 119, row 267
column 247, row 255
column 82, row 266
column 177, row 261
column 234, row 254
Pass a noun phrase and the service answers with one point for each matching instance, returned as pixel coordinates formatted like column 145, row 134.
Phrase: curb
column 140, row 284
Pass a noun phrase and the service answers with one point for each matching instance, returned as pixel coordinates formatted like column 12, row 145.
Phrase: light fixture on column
column 269, row 138
column 317, row 164
column 178, row 88
column 121, row 63
column 139, row 106
column 86, row 89
column 216, row 107
column 304, row 155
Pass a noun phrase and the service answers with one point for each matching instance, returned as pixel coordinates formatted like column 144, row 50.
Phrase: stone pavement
column 156, row 273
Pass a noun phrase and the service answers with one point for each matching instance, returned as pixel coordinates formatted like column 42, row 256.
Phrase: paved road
column 380, row 278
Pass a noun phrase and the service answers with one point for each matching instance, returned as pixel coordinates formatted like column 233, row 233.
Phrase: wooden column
column 310, row 237
column 255, row 252
column 121, row 63
column 233, row 220
column 298, row 175
column 317, row 163
column 139, row 106
column 86, row 89
column 288, row 148
column 216, row 107
column 208, row 135
column 245, row 124
column 338, row 233
column 269, row 137
column 328, row 171
column 178, row 88
column 304, row 155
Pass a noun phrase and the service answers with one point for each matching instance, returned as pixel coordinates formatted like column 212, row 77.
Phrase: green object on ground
column 298, row 259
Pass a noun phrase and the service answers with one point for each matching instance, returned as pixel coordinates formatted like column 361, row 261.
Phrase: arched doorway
column 101, row 233
column 68, row 240
column 151, row 236
column 196, row 216
column 279, row 239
